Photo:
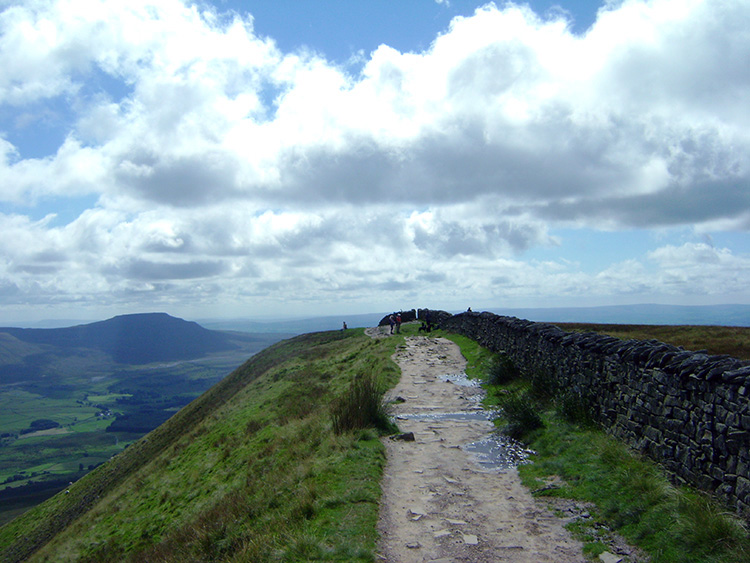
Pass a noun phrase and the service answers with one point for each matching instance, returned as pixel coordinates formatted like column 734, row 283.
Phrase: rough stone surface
column 439, row 504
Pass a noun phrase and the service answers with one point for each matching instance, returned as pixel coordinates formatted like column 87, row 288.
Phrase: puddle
column 479, row 414
column 494, row 451
column 498, row 451
column 460, row 379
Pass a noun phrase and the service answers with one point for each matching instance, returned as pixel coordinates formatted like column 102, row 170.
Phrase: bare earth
column 438, row 503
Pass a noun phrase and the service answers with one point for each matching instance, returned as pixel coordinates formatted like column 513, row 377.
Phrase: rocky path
column 439, row 504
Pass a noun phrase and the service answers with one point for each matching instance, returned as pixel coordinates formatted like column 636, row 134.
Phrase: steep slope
column 133, row 339
column 248, row 471
column 13, row 350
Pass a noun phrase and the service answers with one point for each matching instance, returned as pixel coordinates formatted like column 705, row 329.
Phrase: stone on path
column 414, row 545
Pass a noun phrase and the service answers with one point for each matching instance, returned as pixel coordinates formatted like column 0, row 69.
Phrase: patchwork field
column 64, row 412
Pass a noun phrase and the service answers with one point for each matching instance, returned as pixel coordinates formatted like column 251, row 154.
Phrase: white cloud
column 229, row 167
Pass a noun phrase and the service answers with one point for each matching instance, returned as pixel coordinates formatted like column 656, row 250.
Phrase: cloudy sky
column 248, row 158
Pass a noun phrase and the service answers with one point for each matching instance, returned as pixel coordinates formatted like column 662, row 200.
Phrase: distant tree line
column 40, row 424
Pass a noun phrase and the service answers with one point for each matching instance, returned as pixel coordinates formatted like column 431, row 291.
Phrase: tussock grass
column 362, row 406
column 501, row 370
column 575, row 407
column 521, row 414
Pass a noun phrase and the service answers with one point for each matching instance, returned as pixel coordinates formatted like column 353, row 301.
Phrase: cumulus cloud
column 224, row 166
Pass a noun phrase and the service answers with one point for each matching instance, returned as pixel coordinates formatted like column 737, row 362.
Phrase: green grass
column 251, row 471
column 37, row 453
column 106, row 398
column 478, row 359
column 634, row 497
column 629, row 494
column 20, row 408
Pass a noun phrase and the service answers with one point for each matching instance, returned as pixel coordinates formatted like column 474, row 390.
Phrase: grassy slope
column 250, row 471
column 74, row 389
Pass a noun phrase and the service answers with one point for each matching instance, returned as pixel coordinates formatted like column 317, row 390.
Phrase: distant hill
column 294, row 326
column 652, row 314
column 132, row 339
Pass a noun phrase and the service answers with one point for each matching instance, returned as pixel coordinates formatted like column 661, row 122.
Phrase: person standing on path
column 398, row 323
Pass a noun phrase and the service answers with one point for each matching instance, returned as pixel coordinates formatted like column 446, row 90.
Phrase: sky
column 298, row 158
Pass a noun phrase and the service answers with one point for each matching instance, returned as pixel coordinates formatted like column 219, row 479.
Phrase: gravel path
column 439, row 504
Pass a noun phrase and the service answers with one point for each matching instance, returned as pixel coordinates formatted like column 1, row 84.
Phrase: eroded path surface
column 439, row 504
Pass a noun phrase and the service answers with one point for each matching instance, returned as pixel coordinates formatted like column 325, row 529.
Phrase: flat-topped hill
column 132, row 339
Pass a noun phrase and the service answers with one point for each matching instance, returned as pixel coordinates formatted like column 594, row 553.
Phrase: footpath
column 440, row 504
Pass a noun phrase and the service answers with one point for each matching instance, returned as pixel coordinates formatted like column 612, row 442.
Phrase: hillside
column 250, row 469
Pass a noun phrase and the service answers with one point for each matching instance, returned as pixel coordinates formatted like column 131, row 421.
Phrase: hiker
column 398, row 323
column 344, row 327
column 391, row 321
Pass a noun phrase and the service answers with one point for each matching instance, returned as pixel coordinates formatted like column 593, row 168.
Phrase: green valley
column 68, row 404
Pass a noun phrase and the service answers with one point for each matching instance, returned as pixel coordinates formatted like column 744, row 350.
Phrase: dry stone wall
column 689, row 411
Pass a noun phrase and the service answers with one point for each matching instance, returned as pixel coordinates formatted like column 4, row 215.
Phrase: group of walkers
column 395, row 321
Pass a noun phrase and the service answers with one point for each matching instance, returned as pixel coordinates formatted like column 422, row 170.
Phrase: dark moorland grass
column 626, row 493
column 250, row 471
column 732, row 340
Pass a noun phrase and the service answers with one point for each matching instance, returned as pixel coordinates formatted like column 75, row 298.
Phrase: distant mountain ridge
column 650, row 314
column 133, row 339
column 296, row 325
